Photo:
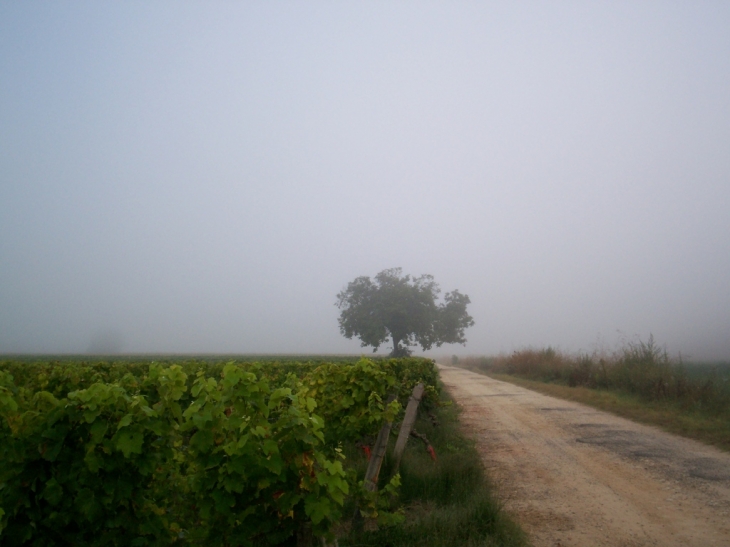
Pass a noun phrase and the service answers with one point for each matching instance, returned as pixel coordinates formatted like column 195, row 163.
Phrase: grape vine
column 145, row 453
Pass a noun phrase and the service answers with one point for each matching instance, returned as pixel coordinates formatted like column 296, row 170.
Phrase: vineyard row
column 145, row 453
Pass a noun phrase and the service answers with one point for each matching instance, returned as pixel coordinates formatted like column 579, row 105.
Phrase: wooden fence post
column 376, row 460
column 408, row 422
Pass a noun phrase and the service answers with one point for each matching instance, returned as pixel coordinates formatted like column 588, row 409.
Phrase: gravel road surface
column 576, row 476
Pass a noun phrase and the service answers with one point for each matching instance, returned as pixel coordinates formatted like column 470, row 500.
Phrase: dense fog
column 206, row 177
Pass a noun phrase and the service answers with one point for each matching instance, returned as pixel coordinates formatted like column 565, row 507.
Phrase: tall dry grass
column 639, row 368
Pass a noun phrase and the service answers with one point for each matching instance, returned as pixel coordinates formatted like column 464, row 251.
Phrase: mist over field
column 206, row 177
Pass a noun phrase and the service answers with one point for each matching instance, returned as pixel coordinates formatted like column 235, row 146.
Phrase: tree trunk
column 398, row 350
column 396, row 347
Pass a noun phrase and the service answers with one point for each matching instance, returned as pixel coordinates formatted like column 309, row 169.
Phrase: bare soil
column 576, row 476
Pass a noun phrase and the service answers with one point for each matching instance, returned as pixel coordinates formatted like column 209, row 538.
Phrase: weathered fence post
column 405, row 429
column 376, row 461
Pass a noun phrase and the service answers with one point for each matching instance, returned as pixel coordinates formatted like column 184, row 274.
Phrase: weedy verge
column 640, row 381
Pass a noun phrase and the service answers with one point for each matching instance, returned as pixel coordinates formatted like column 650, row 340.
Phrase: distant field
column 720, row 369
column 172, row 357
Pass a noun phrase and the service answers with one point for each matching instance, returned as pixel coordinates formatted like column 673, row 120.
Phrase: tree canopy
column 404, row 309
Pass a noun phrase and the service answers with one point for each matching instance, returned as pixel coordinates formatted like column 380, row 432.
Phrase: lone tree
column 404, row 309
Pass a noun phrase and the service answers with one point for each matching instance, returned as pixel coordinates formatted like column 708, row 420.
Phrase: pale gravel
column 576, row 476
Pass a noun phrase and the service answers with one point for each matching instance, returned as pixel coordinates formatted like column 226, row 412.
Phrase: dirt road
column 575, row 476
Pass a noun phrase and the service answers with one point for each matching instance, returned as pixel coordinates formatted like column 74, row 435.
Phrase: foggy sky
column 206, row 177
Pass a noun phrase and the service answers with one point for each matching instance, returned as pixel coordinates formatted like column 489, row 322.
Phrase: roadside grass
column 448, row 502
column 639, row 381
